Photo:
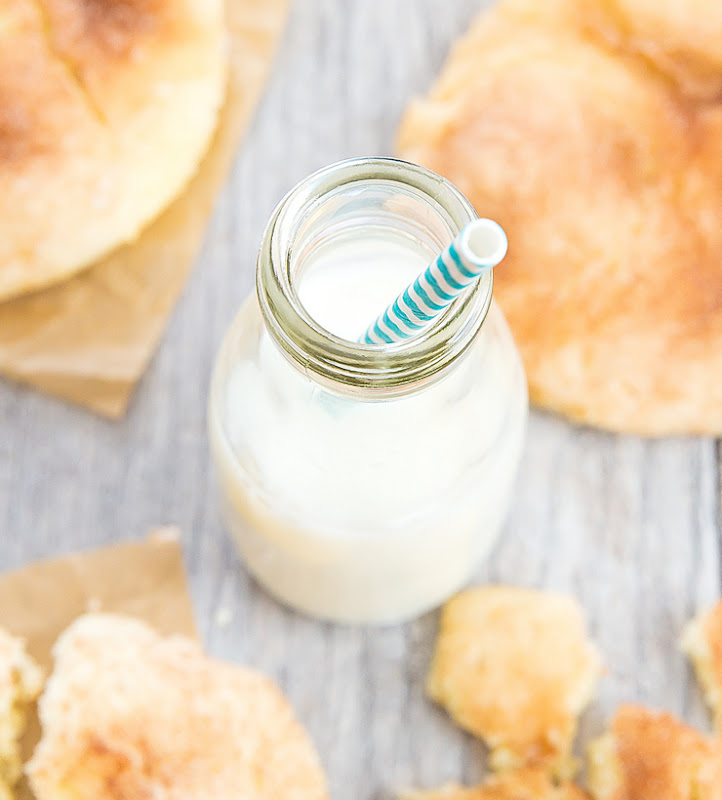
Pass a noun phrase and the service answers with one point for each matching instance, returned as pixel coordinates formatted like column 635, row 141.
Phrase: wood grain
column 631, row 527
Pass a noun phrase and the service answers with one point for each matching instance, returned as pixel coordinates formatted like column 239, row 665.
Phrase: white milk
column 360, row 510
column 349, row 280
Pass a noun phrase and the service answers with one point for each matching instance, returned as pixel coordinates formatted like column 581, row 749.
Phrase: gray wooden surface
column 630, row 527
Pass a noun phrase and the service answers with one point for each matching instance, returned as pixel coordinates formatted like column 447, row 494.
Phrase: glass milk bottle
column 364, row 483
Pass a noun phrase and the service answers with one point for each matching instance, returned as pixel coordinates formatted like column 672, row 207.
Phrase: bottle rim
column 376, row 368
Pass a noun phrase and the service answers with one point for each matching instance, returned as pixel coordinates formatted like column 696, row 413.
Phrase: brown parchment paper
column 89, row 340
column 144, row 579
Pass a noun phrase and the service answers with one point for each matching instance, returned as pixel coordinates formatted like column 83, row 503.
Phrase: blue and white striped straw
column 480, row 246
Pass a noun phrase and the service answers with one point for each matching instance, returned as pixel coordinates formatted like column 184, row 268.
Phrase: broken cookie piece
column 516, row 667
column 128, row 714
column 21, row 680
column 702, row 642
column 654, row 756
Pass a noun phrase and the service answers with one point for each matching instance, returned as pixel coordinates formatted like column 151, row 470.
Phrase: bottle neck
column 346, row 199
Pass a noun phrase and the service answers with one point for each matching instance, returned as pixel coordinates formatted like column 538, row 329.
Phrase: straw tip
column 484, row 242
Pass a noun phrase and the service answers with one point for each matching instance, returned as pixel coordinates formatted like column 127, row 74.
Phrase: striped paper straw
column 480, row 246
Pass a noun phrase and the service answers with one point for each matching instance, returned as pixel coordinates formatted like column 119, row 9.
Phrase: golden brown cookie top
column 679, row 38
column 515, row 667
column 111, row 49
column 653, row 755
column 105, row 111
column 606, row 172
column 129, row 714
column 96, row 31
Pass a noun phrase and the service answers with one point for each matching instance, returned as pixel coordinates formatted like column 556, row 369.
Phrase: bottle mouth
column 362, row 192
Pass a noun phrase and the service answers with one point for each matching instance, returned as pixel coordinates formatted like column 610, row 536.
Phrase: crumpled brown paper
column 143, row 579
column 90, row 339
